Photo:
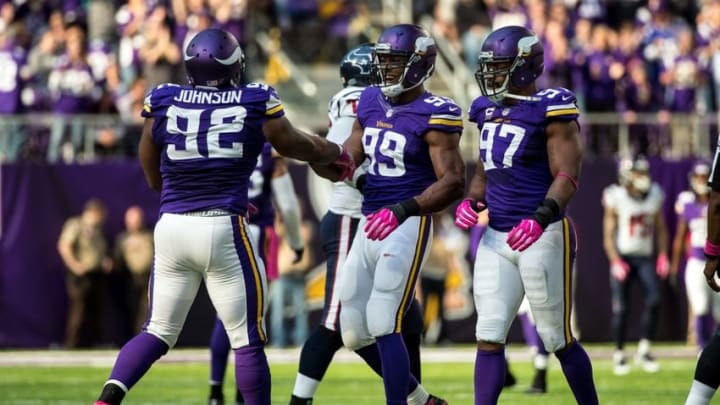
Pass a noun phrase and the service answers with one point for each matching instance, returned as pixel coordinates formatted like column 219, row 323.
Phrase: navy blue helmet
column 214, row 58
column 356, row 68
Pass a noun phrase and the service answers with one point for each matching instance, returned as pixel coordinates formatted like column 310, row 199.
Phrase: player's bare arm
column 476, row 191
column 609, row 228
column 294, row 143
column 713, row 237
column 565, row 157
column 661, row 233
column 678, row 245
column 149, row 154
column 353, row 146
column 449, row 170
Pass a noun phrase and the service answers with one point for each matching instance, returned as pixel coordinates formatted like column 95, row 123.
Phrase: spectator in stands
column 473, row 25
column 129, row 20
column 83, row 248
column 14, row 72
column 290, row 284
column 558, row 62
column 134, row 254
column 74, row 91
column 682, row 80
column 160, row 54
column 639, row 96
column 600, row 74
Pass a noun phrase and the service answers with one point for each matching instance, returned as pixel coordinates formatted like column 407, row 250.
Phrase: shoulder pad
column 684, row 198
column 345, row 102
column 445, row 114
column 261, row 92
column 609, row 195
column 560, row 104
column 478, row 107
column 159, row 97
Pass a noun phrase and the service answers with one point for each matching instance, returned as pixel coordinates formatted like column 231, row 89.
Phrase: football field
column 76, row 377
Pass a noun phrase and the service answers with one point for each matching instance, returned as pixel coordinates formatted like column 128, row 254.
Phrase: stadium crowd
column 658, row 64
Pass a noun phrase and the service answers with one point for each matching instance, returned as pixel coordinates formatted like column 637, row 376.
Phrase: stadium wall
column 36, row 199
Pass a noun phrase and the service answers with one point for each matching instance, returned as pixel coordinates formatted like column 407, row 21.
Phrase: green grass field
column 347, row 382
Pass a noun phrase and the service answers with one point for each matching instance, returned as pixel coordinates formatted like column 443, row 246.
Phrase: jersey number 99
column 385, row 149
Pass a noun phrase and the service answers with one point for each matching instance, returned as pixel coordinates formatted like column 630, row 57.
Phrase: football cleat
column 620, row 364
column 100, row 403
column 433, row 400
column 216, row 401
column 647, row 362
column 539, row 384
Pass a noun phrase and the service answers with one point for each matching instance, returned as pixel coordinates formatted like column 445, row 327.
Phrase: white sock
column 700, row 394
column 305, row 387
column 618, row 355
column 643, row 346
column 540, row 362
column 418, row 397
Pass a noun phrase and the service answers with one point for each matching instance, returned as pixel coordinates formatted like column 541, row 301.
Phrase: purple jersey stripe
column 253, row 282
column 420, row 247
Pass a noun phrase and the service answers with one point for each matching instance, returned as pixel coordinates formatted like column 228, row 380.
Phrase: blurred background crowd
column 646, row 73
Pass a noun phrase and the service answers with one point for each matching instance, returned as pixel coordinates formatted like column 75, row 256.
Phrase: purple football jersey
column 260, row 191
column 513, row 149
column 73, row 88
column 210, row 142
column 12, row 60
column 393, row 139
column 695, row 215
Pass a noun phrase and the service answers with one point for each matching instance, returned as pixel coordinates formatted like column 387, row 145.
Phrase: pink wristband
column 570, row 178
column 711, row 249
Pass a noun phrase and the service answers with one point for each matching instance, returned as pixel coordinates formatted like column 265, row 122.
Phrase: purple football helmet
column 214, row 58
column 407, row 47
column 509, row 55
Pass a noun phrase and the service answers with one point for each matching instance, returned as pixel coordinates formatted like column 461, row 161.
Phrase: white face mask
column 699, row 187
column 641, row 183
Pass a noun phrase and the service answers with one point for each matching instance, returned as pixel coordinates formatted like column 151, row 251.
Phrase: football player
column 707, row 370
column 530, row 157
column 269, row 179
column 199, row 145
column 691, row 208
column 410, row 139
column 632, row 219
column 337, row 230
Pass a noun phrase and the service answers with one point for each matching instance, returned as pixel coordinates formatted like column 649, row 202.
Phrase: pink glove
column 345, row 163
column 524, row 234
column 380, row 224
column 466, row 214
column 619, row 269
column 662, row 266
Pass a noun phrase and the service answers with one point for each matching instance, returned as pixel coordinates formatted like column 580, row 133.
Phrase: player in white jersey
column 707, row 370
column 691, row 208
column 337, row 230
column 632, row 221
column 199, row 145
